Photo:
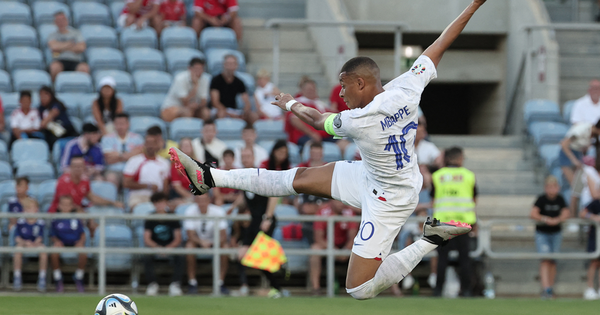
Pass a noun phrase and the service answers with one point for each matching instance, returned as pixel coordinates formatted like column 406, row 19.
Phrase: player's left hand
column 282, row 99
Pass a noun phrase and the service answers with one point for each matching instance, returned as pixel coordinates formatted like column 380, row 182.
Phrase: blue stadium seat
column 331, row 152
column 57, row 150
column 5, row 84
column 139, row 125
column 143, row 58
column 294, row 153
column 37, row 171
column 108, row 211
column 43, row 11
column 24, row 150
column 10, row 102
column 185, row 127
column 24, row 58
column 85, row 12
column 141, row 105
column 269, row 129
column 150, row 81
column 178, row 59
column 1, row 60
column 117, row 235
column 77, row 123
column 46, row 191
column 105, row 58
column 99, row 36
column 214, row 60
column 18, row 35
column 5, row 171
column 229, row 128
column 177, row 36
column 547, row 132
column 14, row 12
column 30, row 80
column 350, row 152
column 74, row 82
column 218, row 37
column 44, row 32
column 549, row 153
column 123, row 79
column 248, row 80
column 105, row 190
column 234, row 144
column 567, row 109
column 71, row 101
column 145, row 37
column 116, row 8
column 3, row 151
column 541, row 110
column 141, row 209
column 7, row 190
column 85, row 104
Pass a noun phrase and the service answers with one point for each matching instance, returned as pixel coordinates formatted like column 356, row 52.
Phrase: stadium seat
column 14, row 12
column 46, row 191
column 24, row 150
column 24, row 58
column 229, row 128
column 123, row 79
column 1, row 60
column 214, row 60
column 549, row 154
column 43, row 11
column 177, row 36
column 567, row 109
column 5, row 171
column 178, row 59
column 30, row 79
column 269, row 129
column 218, row 37
column 116, row 235
column 10, row 102
column 3, row 151
column 547, row 132
column 74, row 82
column 116, row 8
column 57, row 150
column 37, row 171
column 5, row 84
column 7, row 190
column 18, row 35
column 234, row 144
column 141, row 105
column 143, row 58
column 107, row 211
column 139, row 125
column 541, row 110
column 105, row 190
column 77, row 123
column 145, row 208
column 145, row 37
column 105, row 58
column 44, row 32
column 85, row 104
column 248, row 80
column 294, row 153
column 151, row 81
column 266, row 144
column 85, row 12
column 185, row 127
column 99, row 36
column 350, row 152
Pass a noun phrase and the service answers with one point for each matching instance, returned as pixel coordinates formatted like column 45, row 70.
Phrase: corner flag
column 265, row 253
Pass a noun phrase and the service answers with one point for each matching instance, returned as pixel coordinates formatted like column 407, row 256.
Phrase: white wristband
column 288, row 105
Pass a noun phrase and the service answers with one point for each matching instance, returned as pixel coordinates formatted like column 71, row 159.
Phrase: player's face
column 349, row 92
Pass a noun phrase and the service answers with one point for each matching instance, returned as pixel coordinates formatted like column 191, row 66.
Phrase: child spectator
column 315, row 157
column 29, row 233
column 264, row 95
column 226, row 195
column 170, row 13
column 592, row 212
column 14, row 203
column 25, row 121
column 67, row 233
column 550, row 210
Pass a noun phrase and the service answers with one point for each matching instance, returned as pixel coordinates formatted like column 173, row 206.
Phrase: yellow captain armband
column 329, row 123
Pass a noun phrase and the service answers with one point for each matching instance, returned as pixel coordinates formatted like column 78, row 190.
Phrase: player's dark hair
column 24, row 93
column 209, row 122
column 122, row 115
column 272, row 165
column 90, row 128
column 451, row 154
column 154, row 131
column 316, row 145
column 196, row 61
column 22, row 179
column 359, row 62
column 158, row 197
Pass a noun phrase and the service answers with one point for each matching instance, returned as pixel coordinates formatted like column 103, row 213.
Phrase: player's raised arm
column 437, row 49
column 309, row 115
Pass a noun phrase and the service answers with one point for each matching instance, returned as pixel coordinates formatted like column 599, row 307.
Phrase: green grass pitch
column 84, row 305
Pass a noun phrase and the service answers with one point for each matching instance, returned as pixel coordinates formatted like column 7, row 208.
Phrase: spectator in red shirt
column 279, row 158
column 337, row 103
column 139, row 12
column 298, row 131
column 170, row 13
column 180, row 192
column 217, row 13
column 344, row 233
column 316, row 156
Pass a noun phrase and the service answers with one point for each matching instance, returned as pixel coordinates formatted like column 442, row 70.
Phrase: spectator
column 76, row 184
column 429, row 156
column 590, row 188
column 592, row 213
column 249, row 137
column 164, row 145
column 309, row 205
column 25, row 121
column 344, row 233
column 587, row 108
column 298, row 131
column 337, row 103
column 146, row 173
column 208, row 148
column 550, row 210
column 316, row 156
column 226, row 195
column 188, row 93
column 310, row 96
column 225, row 87
column 55, row 119
column 200, row 234
column 162, row 234
column 138, row 12
column 279, row 158
column 29, row 233
column 170, row 13
column 15, row 203
column 264, row 95
column 576, row 141
column 106, row 107
column 217, row 13
column 87, row 146
column 67, row 46
column 180, row 192
column 67, row 233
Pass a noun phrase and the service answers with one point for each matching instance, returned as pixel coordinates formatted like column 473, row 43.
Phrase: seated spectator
column 592, row 213
column 550, row 210
column 337, row 103
column 55, row 123
column 188, row 94
column 147, row 173
column 15, row 203
column 344, row 233
column 576, row 141
column 119, row 146
column 162, row 234
column 25, row 121
column 429, row 157
column 587, row 108
column 170, row 13
column 217, row 13
column 29, row 233
column 200, row 234
column 249, row 137
column 67, row 233
column 164, row 145
column 310, row 96
column 225, row 87
column 138, row 12
column 180, row 191
column 67, row 46
column 226, row 195
column 298, row 131
column 279, row 158
column 264, row 95
column 316, row 156
column 208, row 148
column 87, row 146
column 106, row 107
column 76, row 184
column 309, row 205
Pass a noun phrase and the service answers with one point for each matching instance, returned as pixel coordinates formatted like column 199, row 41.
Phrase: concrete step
column 500, row 183
column 579, row 66
column 565, row 38
column 478, row 141
column 504, row 206
column 266, row 9
column 260, row 38
column 305, row 62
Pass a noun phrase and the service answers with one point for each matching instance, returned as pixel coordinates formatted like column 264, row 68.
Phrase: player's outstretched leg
column 395, row 267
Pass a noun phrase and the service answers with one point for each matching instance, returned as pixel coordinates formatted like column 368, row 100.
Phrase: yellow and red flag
column 265, row 253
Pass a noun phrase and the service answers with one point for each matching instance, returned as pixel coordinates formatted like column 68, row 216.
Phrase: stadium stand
column 139, row 125
column 43, row 11
column 218, row 37
column 24, row 58
column 18, row 35
column 143, row 58
column 229, row 128
column 99, row 36
column 139, row 38
column 73, row 82
column 90, row 13
column 152, row 81
column 178, row 59
column 15, row 12
column 30, row 79
column 175, row 36
column 185, row 127
column 5, row 84
column 105, row 58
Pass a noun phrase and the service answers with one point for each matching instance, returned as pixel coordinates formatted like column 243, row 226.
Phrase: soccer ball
column 116, row 304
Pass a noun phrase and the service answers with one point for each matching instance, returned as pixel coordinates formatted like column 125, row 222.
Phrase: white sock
column 57, row 275
column 42, row 274
column 17, row 273
column 79, row 274
column 193, row 282
column 259, row 181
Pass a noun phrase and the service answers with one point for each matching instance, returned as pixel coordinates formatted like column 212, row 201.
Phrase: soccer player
column 385, row 184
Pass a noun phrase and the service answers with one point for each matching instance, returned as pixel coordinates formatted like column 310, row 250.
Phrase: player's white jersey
column 385, row 129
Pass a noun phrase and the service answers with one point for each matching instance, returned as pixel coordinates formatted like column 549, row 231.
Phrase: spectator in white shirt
column 200, row 233
column 188, row 94
column 576, row 141
column 25, row 121
column 208, row 148
column 264, row 94
column 119, row 146
column 587, row 108
column 147, row 173
column 429, row 156
column 249, row 137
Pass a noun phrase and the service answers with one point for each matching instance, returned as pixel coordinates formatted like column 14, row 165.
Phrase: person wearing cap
column 188, row 94
column 86, row 146
column 107, row 105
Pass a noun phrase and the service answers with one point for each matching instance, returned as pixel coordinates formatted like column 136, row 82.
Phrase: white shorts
column 383, row 212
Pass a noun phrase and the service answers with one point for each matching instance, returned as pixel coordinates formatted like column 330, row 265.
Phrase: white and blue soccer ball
column 116, row 304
